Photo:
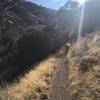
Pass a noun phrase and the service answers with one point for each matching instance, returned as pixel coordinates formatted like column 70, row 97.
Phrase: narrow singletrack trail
column 60, row 89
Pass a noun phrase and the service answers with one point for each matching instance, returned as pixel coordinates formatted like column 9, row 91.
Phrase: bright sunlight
column 81, row 1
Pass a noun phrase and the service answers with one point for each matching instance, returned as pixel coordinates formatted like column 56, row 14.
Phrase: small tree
column 71, row 4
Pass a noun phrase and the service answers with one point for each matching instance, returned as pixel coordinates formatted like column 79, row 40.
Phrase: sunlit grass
column 34, row 85
column 84, row 68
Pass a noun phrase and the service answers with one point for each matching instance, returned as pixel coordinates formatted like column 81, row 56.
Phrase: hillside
column 74, row 76
column 48, row 54
column 26, row 36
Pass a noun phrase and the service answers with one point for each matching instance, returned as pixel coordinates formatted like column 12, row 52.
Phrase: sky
column 54, row 4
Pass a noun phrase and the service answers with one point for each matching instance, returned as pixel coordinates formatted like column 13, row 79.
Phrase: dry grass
column 84, row 75
column 84, row 68
column 34, row 85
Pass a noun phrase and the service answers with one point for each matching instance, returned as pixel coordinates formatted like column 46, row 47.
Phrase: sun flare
column 81, row 1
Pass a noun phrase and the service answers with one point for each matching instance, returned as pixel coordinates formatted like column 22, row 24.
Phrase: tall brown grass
column 84, row 68
column 34, row 85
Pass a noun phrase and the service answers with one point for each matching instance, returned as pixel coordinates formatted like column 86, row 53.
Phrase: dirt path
column 60, row 85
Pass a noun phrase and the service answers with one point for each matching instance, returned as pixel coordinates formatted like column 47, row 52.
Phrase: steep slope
column 26, row 35
column 74, row 75
column 34, row 85
column 29, row 33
